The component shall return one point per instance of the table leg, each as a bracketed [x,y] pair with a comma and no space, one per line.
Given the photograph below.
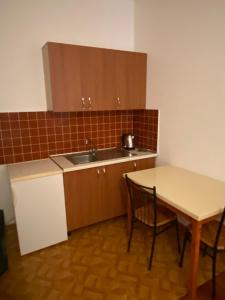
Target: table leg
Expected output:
[195,248]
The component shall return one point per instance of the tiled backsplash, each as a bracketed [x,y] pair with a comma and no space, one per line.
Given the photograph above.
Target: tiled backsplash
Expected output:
[34,135]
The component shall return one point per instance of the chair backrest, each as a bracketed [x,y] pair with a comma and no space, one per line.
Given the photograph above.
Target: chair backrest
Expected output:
[219,231]
[143,201]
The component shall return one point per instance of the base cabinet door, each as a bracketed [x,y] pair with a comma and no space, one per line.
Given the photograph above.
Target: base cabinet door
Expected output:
[114,205]
[82,197]
[97,194]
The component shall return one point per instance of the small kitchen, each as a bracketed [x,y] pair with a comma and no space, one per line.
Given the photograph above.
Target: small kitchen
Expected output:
[83,105]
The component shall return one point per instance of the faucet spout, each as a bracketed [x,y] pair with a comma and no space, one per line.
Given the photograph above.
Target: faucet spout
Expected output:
[92,148]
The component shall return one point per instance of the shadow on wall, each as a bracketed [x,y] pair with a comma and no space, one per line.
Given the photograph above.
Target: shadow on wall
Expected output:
[5,198]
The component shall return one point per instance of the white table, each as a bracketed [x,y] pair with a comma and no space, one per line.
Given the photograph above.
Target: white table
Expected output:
[197,197]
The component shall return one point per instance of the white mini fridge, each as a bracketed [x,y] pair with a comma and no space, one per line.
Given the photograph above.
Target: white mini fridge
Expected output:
[39,204]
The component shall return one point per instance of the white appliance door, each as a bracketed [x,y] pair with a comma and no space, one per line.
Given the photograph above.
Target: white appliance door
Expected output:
[40,212]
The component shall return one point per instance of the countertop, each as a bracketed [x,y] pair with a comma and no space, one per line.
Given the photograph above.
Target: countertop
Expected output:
[68,166]
[196,195]
[32,169]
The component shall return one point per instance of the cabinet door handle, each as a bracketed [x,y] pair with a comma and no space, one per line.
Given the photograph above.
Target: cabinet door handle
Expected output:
[98,172]
[118,102]
[104,170]
[90,103]
[83,103]
[135,165]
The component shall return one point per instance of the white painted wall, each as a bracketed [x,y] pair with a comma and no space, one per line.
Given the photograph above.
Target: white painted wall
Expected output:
[26,25]
[186,79]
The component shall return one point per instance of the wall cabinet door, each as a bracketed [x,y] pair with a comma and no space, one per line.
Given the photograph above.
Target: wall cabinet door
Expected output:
[80,78]
[124,80]
[136,80]
[72,76]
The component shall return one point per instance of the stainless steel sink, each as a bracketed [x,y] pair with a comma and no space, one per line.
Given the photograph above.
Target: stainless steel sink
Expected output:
[81,158]
[99,155]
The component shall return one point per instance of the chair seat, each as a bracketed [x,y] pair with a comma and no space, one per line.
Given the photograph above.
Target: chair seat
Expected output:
[208,235]
[164,215]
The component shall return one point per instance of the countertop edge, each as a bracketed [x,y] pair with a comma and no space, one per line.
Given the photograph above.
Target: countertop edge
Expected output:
[29,177]
[72,167]
[28,170]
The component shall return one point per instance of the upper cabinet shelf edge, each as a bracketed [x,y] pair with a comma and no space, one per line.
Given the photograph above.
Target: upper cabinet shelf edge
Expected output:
[81,78]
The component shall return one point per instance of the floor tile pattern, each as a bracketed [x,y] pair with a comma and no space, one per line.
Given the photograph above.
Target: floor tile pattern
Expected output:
[93,264]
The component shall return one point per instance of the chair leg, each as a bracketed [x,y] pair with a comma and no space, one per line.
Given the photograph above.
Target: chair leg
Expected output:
[152,249]
[183,248]
[214,275]
[178,237]
[204,251]
[130,234]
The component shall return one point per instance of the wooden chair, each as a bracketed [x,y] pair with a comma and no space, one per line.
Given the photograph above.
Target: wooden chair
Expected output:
[212,240]
[143,207]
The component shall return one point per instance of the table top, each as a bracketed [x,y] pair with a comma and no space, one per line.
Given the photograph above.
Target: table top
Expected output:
[196,195]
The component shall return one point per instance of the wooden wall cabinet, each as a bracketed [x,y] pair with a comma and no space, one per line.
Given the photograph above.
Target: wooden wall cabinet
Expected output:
[93,195]
[80,78]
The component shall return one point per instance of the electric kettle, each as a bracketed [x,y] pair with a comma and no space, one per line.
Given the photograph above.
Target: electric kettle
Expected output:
[128,141]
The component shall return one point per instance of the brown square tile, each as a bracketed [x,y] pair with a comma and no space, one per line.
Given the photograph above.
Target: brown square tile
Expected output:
[7,142]
[15,133]
[44,154]
[34,132]
[44,147]
[36,155]
[42,131]
[34,140]
[6,134]
[59,145]
[27,156]
[26,141]
[4,117]
[9,159]
[51,138]
[13,116]
[25,132]
[7,151]
[17,150]
[33,123]
[43,139]
[35,148]
[5,125]
[32,115]
[24,124]
[23,116]
[26,149]
[41,115]
[41,123]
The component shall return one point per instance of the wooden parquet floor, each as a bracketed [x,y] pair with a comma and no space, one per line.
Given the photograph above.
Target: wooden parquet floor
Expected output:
[94,265]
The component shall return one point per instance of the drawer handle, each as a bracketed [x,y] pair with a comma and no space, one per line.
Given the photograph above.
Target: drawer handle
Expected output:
[135,165]
[98,172]
[104,170]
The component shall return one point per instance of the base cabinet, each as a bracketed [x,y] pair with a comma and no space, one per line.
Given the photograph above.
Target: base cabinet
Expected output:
[95,194]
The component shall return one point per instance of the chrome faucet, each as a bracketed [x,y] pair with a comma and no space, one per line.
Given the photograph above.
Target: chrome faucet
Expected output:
[91,145]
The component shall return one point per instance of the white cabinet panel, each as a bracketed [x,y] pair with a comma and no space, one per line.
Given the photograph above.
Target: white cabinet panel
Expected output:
[40,212]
